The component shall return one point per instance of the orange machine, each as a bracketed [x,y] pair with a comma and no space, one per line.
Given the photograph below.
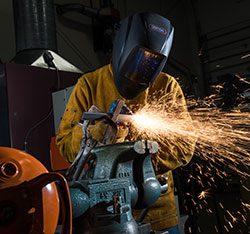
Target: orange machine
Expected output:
[58,163]
[29,198]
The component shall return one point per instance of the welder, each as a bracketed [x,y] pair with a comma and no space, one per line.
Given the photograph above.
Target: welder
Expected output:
[141,47]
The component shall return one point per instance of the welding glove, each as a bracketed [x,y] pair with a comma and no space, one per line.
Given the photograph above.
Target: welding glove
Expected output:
[97,131]
[121,134]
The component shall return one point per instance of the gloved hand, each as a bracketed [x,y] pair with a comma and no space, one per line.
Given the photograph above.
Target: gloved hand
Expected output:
[97,131]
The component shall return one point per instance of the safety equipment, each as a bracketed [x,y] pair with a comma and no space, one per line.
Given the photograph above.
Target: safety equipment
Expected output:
[29,201]
[141,47]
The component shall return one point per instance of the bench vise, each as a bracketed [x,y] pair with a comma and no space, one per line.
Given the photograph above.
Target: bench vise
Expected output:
[119,177]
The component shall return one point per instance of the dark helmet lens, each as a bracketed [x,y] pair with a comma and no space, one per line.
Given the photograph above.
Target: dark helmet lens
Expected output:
[142,65]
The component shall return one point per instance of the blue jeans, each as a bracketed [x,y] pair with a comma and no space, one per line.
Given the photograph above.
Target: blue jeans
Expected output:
[172,230]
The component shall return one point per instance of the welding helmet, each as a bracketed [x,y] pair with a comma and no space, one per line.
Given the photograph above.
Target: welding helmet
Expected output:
[29,201]
[141,47]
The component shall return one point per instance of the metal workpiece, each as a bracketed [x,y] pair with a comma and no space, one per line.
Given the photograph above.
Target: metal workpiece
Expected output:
[143,146]
[125,118]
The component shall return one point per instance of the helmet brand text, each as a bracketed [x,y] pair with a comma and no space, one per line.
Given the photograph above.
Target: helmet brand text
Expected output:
[157,28]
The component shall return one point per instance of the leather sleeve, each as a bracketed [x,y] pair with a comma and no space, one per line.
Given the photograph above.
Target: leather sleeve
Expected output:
[69,134]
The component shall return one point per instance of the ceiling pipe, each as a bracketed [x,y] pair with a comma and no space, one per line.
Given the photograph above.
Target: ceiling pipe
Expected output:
[35,29]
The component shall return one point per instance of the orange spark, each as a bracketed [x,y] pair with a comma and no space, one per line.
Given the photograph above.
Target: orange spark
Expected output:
[245,56]
[204,194]
[221,205]
[246,205]
[223,137]
[226,228]
[232,217]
